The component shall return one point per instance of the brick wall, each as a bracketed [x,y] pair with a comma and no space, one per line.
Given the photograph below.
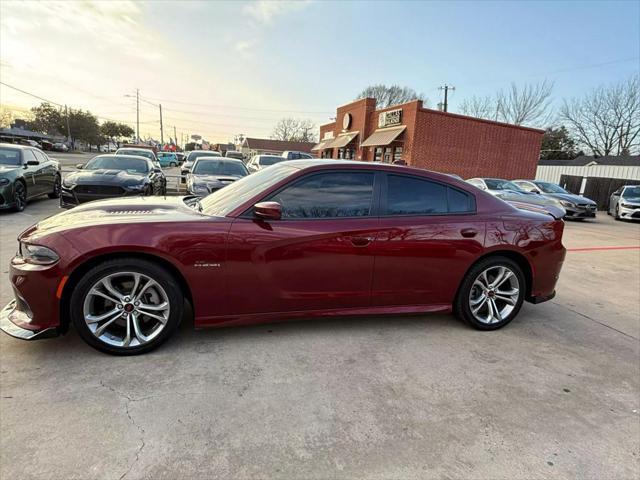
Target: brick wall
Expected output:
[472,147]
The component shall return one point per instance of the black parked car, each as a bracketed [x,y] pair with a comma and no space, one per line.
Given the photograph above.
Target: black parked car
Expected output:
[209,174]
[25,173]
[107,176]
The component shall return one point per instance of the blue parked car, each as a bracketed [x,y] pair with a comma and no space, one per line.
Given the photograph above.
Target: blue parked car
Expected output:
[168,159]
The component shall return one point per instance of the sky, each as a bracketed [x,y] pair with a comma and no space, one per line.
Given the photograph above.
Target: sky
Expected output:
[227,68]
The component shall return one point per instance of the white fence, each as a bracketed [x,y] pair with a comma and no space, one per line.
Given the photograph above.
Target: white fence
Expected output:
[552,173]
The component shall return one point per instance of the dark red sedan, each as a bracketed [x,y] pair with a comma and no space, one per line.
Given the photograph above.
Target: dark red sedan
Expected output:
[299,239]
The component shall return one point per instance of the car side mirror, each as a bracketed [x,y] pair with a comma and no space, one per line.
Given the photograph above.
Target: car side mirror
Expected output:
[79,166]
[535,191]
[33,162]
[268,210]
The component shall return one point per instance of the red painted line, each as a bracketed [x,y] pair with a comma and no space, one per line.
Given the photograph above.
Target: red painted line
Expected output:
[591,249]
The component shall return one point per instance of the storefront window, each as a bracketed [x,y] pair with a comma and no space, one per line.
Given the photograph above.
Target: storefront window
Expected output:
[397,154]
[378,154]
[388,154]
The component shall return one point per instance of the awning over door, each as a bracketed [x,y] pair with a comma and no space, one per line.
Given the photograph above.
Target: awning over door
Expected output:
[383,136]
[322,144]
[343,140]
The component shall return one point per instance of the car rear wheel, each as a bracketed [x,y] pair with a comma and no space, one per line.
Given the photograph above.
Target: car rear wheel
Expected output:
[173,164]
[491,294]
[19,196]
[126,306]
[57,186]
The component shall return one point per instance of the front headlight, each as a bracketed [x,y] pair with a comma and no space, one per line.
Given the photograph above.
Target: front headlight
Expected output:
[200,188]
[4,181]
[67,184]
[626,205]
[567,204]
[136,188]
[37,254]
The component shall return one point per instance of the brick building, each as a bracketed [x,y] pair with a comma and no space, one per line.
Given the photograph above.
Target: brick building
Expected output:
[430,139]
[267,146]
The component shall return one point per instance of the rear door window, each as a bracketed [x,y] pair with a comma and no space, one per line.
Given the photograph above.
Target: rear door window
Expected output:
[415,196]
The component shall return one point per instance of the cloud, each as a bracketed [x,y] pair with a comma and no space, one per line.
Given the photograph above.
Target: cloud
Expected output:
[245,47]
[264,11]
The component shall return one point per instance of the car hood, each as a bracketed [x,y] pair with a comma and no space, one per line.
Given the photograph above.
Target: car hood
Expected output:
[111,177]
[570,197]
[128,210]
[630,201]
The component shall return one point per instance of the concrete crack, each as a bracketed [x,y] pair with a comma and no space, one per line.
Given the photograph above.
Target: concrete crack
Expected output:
[594,320]
[133,422]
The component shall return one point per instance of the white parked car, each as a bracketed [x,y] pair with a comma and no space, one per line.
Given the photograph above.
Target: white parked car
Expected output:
[624,203]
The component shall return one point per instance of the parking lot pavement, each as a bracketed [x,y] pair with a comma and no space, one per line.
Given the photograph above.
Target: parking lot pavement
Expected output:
[555,394]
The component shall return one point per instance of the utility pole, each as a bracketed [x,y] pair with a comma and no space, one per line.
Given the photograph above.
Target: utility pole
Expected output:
[446,89]
[161,128]
[66,113]
[175,135]
[137,115]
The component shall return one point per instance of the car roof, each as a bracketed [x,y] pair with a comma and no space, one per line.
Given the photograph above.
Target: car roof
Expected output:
[112,155]
[15,145]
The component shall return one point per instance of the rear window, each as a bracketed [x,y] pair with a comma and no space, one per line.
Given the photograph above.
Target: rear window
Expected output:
[265,161]
[219,167]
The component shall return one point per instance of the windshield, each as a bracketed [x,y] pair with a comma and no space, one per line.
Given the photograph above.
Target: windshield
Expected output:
[227,199]
[495,184]
[129,164]
[141,153]
[193,154]
[165,154]
[268,160]
[631,192]
[219,167]
[547,187]
[9,156]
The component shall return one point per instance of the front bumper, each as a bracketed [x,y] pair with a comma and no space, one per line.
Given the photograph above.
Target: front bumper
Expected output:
[10,314]
[6,197]
[586,211]
[627,213]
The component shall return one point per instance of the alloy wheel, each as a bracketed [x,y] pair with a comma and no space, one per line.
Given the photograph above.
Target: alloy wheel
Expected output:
[126,309]
[494,294]
[20,196]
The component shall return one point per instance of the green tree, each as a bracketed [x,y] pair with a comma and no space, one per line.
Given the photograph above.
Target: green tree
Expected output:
[558,143]
[47,119]
[116,131]
[84,126]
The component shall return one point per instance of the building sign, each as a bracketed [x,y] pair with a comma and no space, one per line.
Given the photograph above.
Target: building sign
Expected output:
[327,135]
[389,118]
[346,121]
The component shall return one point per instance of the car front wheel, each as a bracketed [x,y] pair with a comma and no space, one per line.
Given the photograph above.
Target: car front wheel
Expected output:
[57,186]
[491,294]
[126,306]
[19,196]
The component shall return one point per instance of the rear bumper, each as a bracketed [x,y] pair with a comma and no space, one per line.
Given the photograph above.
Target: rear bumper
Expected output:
[541,298]
[10,313]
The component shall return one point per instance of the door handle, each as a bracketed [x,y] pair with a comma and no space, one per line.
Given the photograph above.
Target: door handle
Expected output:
[468,232]
[361,241]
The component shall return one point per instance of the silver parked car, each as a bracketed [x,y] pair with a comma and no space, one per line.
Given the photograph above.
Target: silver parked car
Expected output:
[509,191]
[577,206]
[258,162]
[210,174]
[624,203]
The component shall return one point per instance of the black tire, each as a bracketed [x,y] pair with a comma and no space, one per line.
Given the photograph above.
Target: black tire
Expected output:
[150,269]
[57,186]
[617,212]
[173,164]
[462,308]
[19,196]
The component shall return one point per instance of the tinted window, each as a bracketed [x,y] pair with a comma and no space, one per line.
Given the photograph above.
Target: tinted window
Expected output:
[129,164]
[28,156]
[328,195]
[219,167]
[9,156]
[460,201]
[631,192]
[266,160]
[497,184]
[40,156]
[411,196]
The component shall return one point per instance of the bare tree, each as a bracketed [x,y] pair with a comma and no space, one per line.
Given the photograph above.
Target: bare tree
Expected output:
[526,105]
[530,104]
[294,130]
[606,120]
[389,95]
[480,107]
